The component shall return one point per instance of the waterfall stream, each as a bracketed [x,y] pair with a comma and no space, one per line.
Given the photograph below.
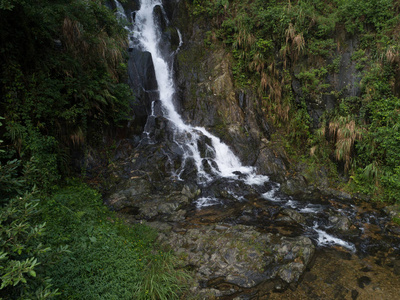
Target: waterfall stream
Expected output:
[217,161]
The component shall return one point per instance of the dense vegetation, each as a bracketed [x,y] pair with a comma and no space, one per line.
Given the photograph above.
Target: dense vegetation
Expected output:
[62,70]
[276,43]
[62,66]
[68,245]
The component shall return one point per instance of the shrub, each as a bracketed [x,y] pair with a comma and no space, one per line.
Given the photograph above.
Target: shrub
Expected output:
[23,256]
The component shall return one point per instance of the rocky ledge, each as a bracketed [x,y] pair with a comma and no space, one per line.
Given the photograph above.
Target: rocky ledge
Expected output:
[229,259]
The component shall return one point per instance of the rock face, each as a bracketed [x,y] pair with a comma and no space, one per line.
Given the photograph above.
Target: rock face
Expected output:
[208,97]
[142,80]
[341,83]
[296,253]
[238,257]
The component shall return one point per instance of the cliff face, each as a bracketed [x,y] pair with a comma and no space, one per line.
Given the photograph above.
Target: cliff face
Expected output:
[208,94]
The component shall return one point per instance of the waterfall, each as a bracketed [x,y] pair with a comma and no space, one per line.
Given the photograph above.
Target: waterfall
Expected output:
[219,159]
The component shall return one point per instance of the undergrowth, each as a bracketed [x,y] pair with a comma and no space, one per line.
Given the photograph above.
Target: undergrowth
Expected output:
[68,245]
[107,259]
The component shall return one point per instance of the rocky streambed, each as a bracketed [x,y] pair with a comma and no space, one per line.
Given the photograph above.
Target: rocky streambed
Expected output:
[255,242]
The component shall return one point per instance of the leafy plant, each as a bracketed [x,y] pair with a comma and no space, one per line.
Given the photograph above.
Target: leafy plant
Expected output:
[23,256]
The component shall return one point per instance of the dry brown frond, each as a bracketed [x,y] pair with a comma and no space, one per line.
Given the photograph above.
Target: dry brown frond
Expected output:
[77,137]
[290,33]
[245,39]
[392,55]
[264,80]
[257,63]
[72,33]
[295,47]
[344,132]
[299,42]
[312,150]
[100,49]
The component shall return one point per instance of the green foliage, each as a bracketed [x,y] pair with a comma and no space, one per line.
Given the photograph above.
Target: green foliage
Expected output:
[380,148]
[359,15]
[62,73]
[321,47]
[23,256]
[107,259]
[314,81]
[299,126]
[10,183]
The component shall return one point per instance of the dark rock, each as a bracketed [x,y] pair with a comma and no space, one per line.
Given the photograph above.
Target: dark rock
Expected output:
[294,215]
[204,144]
[236,256]
[58,44]
[363,281]
[159,18]
[142,80]
[354,294]
[396,267]
[141,70]
[298,252]
[296,187]
[340,222]
[271,163]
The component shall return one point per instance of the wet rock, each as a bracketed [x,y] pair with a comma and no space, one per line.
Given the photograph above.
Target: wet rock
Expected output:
[204,145]
[294,215]
[272,163]
[392,210]
[338,194]
[291,272]
[298,186]
[340,222]
[239,255]
[190,191]
[159,18]
[148,202]
[297,253]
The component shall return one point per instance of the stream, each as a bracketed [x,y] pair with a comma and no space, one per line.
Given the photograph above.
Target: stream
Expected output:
[233,227]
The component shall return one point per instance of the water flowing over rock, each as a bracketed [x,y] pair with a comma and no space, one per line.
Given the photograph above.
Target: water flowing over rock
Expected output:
[239,233]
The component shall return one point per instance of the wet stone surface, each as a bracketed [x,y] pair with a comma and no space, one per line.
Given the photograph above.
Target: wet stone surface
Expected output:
[261,249]
[253,241]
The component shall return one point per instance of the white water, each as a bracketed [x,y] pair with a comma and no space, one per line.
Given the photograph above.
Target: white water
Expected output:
[121,16]
[326,239]
[222,162]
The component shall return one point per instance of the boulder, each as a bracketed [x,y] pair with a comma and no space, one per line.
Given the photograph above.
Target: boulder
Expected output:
[238,256]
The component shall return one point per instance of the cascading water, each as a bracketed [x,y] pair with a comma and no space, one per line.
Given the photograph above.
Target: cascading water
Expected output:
[219,158]
[217,161]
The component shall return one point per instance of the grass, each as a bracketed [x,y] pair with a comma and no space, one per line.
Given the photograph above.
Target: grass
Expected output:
[107,259]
